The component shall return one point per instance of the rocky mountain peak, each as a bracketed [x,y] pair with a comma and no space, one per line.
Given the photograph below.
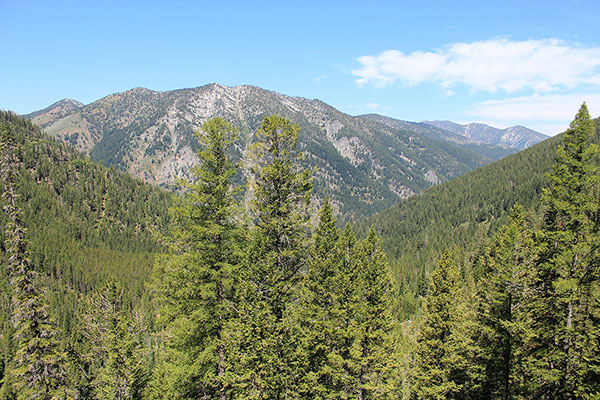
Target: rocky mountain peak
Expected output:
[362,165]
[55,111]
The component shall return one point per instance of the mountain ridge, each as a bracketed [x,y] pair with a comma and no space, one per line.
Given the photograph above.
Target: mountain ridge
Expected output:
[518,136]
[362,165]
[465,212]
[494,152]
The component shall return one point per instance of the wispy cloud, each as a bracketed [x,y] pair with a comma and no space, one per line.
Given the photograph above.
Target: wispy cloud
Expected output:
[542,66]
[548,113]
[372,106]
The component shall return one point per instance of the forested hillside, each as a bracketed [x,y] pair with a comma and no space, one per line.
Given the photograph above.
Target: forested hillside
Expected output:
[464,213]
[85,221]
[80,320]
[87,225]
[484,299]
[521,322]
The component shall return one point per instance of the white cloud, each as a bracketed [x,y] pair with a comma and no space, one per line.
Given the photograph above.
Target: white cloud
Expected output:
[372,106]
[543,65]
[549,114]
[388,66]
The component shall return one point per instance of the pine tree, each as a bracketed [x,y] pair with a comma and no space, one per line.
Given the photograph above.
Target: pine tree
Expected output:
[373,342]
[194,282]
[564,312]
[342,363]
[346,315]
[268,365]
[112,333]
[445,351]
[37,369]
[502,292]
[318,312]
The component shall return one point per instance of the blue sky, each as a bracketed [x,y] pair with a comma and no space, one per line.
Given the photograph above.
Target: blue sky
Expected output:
[504,63]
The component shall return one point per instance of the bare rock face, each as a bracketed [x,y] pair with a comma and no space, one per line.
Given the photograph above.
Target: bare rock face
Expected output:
[362,165]
[432,177]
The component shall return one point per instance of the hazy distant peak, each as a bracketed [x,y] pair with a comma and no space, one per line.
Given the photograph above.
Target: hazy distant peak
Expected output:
[518,137]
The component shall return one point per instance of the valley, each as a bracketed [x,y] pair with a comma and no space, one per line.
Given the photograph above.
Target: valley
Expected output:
[112,257]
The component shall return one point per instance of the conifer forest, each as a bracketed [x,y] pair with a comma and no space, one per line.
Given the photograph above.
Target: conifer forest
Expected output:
[245,282]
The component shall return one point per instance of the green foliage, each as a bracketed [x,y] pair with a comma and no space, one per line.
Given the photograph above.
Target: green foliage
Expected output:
[371,350]
[536,309]
[319,311]
[283,314]
[503,291]
[194,283]
[445,349]
[113,348]
[463,213]
[345,315]
[271,271]
[86,224]
[564,311]
[37,368]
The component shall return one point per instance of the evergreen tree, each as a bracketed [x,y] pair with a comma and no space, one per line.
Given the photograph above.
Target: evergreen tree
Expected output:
[502,292]
[318,312]
[194,282]
[38,366]
[268,367]
[445,351]
[372,345]
[347,317]
[112,333]
[343,361]
[564,312]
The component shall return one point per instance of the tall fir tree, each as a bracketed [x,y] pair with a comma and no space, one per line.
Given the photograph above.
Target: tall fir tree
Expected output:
[38,366]
[564,312]
[268,364]
[346,315]
[318,312]
[502,292]
[344,361]
[445,353]
[194,282]
[373,343]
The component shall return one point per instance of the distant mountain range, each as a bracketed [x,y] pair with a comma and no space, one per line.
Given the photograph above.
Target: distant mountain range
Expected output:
[363,163]
[517,137]
[489,150]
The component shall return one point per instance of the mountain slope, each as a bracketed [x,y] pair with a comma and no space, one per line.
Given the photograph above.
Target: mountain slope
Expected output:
[55,111]
[86,223]
[518,137]
[463,212]
[362,165]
